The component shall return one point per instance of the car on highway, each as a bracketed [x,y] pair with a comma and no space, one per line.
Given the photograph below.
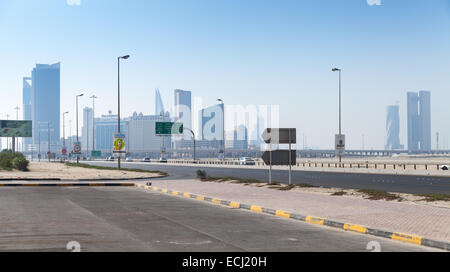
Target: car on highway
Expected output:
[146,159]
[246,161]
[162,160]
[109,158]
[129,159]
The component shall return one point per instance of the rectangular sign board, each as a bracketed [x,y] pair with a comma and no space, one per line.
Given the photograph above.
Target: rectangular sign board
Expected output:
[76,148]
[119,145]
[96,153]
[340,145]
[280,157]
[11,128]
[168,128]
[280,136]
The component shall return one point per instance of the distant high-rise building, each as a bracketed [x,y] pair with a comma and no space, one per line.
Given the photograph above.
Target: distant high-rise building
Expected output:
[26,101]
[212,123]
[159,106]
[183,107]
[393,128]
[419,121]
[142,133]
[86,130]
[45,104]
[182,113]
[240,141]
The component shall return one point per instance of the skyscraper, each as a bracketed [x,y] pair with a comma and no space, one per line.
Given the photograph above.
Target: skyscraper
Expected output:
[212,123]
[182,112]
[159,106]
[393,128]
[86,130]
[183,107]
[45,103]
[26,101]
[419,121]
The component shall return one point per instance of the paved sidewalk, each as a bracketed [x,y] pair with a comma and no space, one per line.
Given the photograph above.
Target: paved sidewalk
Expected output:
[410,218]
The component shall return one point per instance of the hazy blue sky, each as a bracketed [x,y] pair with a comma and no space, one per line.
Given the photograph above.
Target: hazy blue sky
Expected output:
[243,51]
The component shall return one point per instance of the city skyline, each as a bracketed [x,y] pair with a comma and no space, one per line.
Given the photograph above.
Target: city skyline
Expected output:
[286,60]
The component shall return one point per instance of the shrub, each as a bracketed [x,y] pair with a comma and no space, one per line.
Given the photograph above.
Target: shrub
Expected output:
[20,163]
[201,174]
[10,160]
[6,163]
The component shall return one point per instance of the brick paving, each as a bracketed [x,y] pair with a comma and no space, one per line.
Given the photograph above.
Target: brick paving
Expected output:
[409,218]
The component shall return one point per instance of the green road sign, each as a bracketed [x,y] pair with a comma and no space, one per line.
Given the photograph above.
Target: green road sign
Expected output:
[9,128]
[96,153]
[169,128]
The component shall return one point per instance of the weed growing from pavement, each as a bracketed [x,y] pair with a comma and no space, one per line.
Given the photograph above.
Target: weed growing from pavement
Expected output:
[113,168]
[339,193]
[379,195]
[434,197]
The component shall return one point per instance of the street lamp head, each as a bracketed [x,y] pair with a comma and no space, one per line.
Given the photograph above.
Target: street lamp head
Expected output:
[125,57]
[335,69]
[80,95]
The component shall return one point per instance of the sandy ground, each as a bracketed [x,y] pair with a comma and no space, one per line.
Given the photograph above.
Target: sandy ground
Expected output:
[61,171]
[350,193]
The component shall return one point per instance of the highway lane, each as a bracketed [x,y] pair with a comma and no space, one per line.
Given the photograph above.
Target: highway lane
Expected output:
[131,219]
[384,182]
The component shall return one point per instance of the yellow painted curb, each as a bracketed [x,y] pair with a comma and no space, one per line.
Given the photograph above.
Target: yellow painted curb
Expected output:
[315,220]
[417,240]
[216,201]
[283,214]
[256,209]
[200,198]
[235,205]
[355,228]
[187,195]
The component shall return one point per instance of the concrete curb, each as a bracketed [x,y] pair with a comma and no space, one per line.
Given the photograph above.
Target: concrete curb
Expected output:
[67,184]
[412,239]
[71,180]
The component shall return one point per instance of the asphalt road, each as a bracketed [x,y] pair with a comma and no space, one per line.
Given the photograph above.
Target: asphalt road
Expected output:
[130,219]
[390,183]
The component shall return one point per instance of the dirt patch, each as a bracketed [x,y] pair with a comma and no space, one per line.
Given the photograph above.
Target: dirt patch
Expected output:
[45,170]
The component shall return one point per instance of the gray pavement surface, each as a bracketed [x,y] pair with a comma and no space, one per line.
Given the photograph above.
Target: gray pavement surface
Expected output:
[130,219]
[385,182]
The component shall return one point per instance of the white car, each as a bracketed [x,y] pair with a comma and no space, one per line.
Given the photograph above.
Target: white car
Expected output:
[246,161]
[129,159]
[146,159]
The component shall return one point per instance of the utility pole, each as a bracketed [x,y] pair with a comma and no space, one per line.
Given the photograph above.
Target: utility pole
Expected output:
[118,98]
[78,157]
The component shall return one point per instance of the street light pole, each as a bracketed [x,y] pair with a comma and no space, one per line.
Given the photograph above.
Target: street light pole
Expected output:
[340,105]
[78,157]
[118,99]
[193,137]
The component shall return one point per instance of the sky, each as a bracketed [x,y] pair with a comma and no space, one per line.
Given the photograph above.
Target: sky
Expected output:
[242,51]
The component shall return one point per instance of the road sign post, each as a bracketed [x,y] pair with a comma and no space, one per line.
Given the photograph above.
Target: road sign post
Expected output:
[280,157]
[339,146]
